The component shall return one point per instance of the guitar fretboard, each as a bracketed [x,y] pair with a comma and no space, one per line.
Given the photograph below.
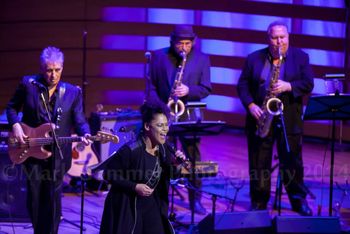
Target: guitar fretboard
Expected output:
[49,140]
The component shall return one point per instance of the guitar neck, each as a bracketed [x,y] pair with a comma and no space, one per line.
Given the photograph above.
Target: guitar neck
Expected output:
[50,140]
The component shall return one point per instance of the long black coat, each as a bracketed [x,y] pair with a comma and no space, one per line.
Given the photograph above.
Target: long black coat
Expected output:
[123,171]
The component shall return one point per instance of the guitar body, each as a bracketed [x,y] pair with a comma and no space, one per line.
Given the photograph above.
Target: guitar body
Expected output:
[82,158]
[20,152]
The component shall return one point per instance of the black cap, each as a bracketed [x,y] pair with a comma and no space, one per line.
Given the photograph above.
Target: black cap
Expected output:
[182,32]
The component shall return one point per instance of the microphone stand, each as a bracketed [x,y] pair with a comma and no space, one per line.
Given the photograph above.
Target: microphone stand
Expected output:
[172,215]
[54,146]
[148,56]
[237,187]
[193,175]
[279,179]
[213,212]
[190,187]
[214,197]
[173,184]
[84,177]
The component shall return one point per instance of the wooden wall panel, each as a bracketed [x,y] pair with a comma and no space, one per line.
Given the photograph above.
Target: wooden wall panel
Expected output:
[36,35]
[40,10]
[28,26]
[248,7]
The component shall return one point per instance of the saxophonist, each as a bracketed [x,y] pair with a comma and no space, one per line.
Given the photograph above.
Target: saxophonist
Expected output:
[195,83]
[294,80]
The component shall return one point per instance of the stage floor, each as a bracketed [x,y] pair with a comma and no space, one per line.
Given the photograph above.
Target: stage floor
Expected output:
[230,152]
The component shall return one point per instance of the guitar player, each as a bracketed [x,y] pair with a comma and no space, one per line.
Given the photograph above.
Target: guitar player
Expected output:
[43,97]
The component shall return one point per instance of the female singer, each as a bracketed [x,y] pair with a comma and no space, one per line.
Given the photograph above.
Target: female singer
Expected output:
[139,175]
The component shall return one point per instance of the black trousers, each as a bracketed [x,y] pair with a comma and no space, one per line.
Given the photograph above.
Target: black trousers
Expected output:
[260,152]
[42,201]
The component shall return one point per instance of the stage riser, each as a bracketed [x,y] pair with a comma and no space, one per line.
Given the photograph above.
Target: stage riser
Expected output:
[252,222]
[237,222]
[306,225]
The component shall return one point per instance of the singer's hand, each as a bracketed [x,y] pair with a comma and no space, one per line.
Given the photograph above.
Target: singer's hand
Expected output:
[18,132]
[179,154]
[143,190]
[181,90]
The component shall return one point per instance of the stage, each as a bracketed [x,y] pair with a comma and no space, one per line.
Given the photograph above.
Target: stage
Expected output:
[229,150]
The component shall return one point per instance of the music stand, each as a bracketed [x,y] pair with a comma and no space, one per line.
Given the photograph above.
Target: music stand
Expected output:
[329,107]
[194,129]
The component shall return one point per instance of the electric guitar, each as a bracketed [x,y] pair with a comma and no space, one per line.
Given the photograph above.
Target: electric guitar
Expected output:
[40,137]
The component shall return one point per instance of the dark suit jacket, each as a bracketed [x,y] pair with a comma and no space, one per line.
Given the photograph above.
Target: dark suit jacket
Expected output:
[27,97]
[163,70]
[251,87]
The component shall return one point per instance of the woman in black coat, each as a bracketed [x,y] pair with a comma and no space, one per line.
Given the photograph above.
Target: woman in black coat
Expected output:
[139,174]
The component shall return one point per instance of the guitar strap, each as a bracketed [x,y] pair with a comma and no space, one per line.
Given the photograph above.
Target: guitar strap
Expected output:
[58,108]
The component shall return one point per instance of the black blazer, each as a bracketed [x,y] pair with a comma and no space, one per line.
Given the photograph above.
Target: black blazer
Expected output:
[26,99]
[251,87]
[163,69]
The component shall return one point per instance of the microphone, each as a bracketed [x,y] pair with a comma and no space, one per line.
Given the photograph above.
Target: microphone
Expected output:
[148,56]
[36,83]
[184,162]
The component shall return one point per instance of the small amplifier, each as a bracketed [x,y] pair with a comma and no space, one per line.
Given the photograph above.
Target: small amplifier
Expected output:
[202,169]
[126,124]
[12,183]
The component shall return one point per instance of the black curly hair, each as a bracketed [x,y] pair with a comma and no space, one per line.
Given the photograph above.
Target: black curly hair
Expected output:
[150,108]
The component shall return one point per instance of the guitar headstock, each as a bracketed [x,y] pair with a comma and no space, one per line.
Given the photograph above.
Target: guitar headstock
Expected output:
[105,137]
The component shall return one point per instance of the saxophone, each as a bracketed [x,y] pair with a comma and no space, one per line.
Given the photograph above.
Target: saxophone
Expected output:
[176,106]
[272,106]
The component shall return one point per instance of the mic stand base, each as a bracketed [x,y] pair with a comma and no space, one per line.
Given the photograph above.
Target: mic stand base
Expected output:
[83,177]
[172,215]
[63,219]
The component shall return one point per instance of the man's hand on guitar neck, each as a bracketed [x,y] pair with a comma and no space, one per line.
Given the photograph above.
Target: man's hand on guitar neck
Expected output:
[86,139]
[18,132]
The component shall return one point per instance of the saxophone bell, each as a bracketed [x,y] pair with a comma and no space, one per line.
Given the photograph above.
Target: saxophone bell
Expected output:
[274,106]
[177,108]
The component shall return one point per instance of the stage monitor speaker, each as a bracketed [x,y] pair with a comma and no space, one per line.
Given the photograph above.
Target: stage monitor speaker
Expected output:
[306,225]
[249,222]
[13,191]
[124,123]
